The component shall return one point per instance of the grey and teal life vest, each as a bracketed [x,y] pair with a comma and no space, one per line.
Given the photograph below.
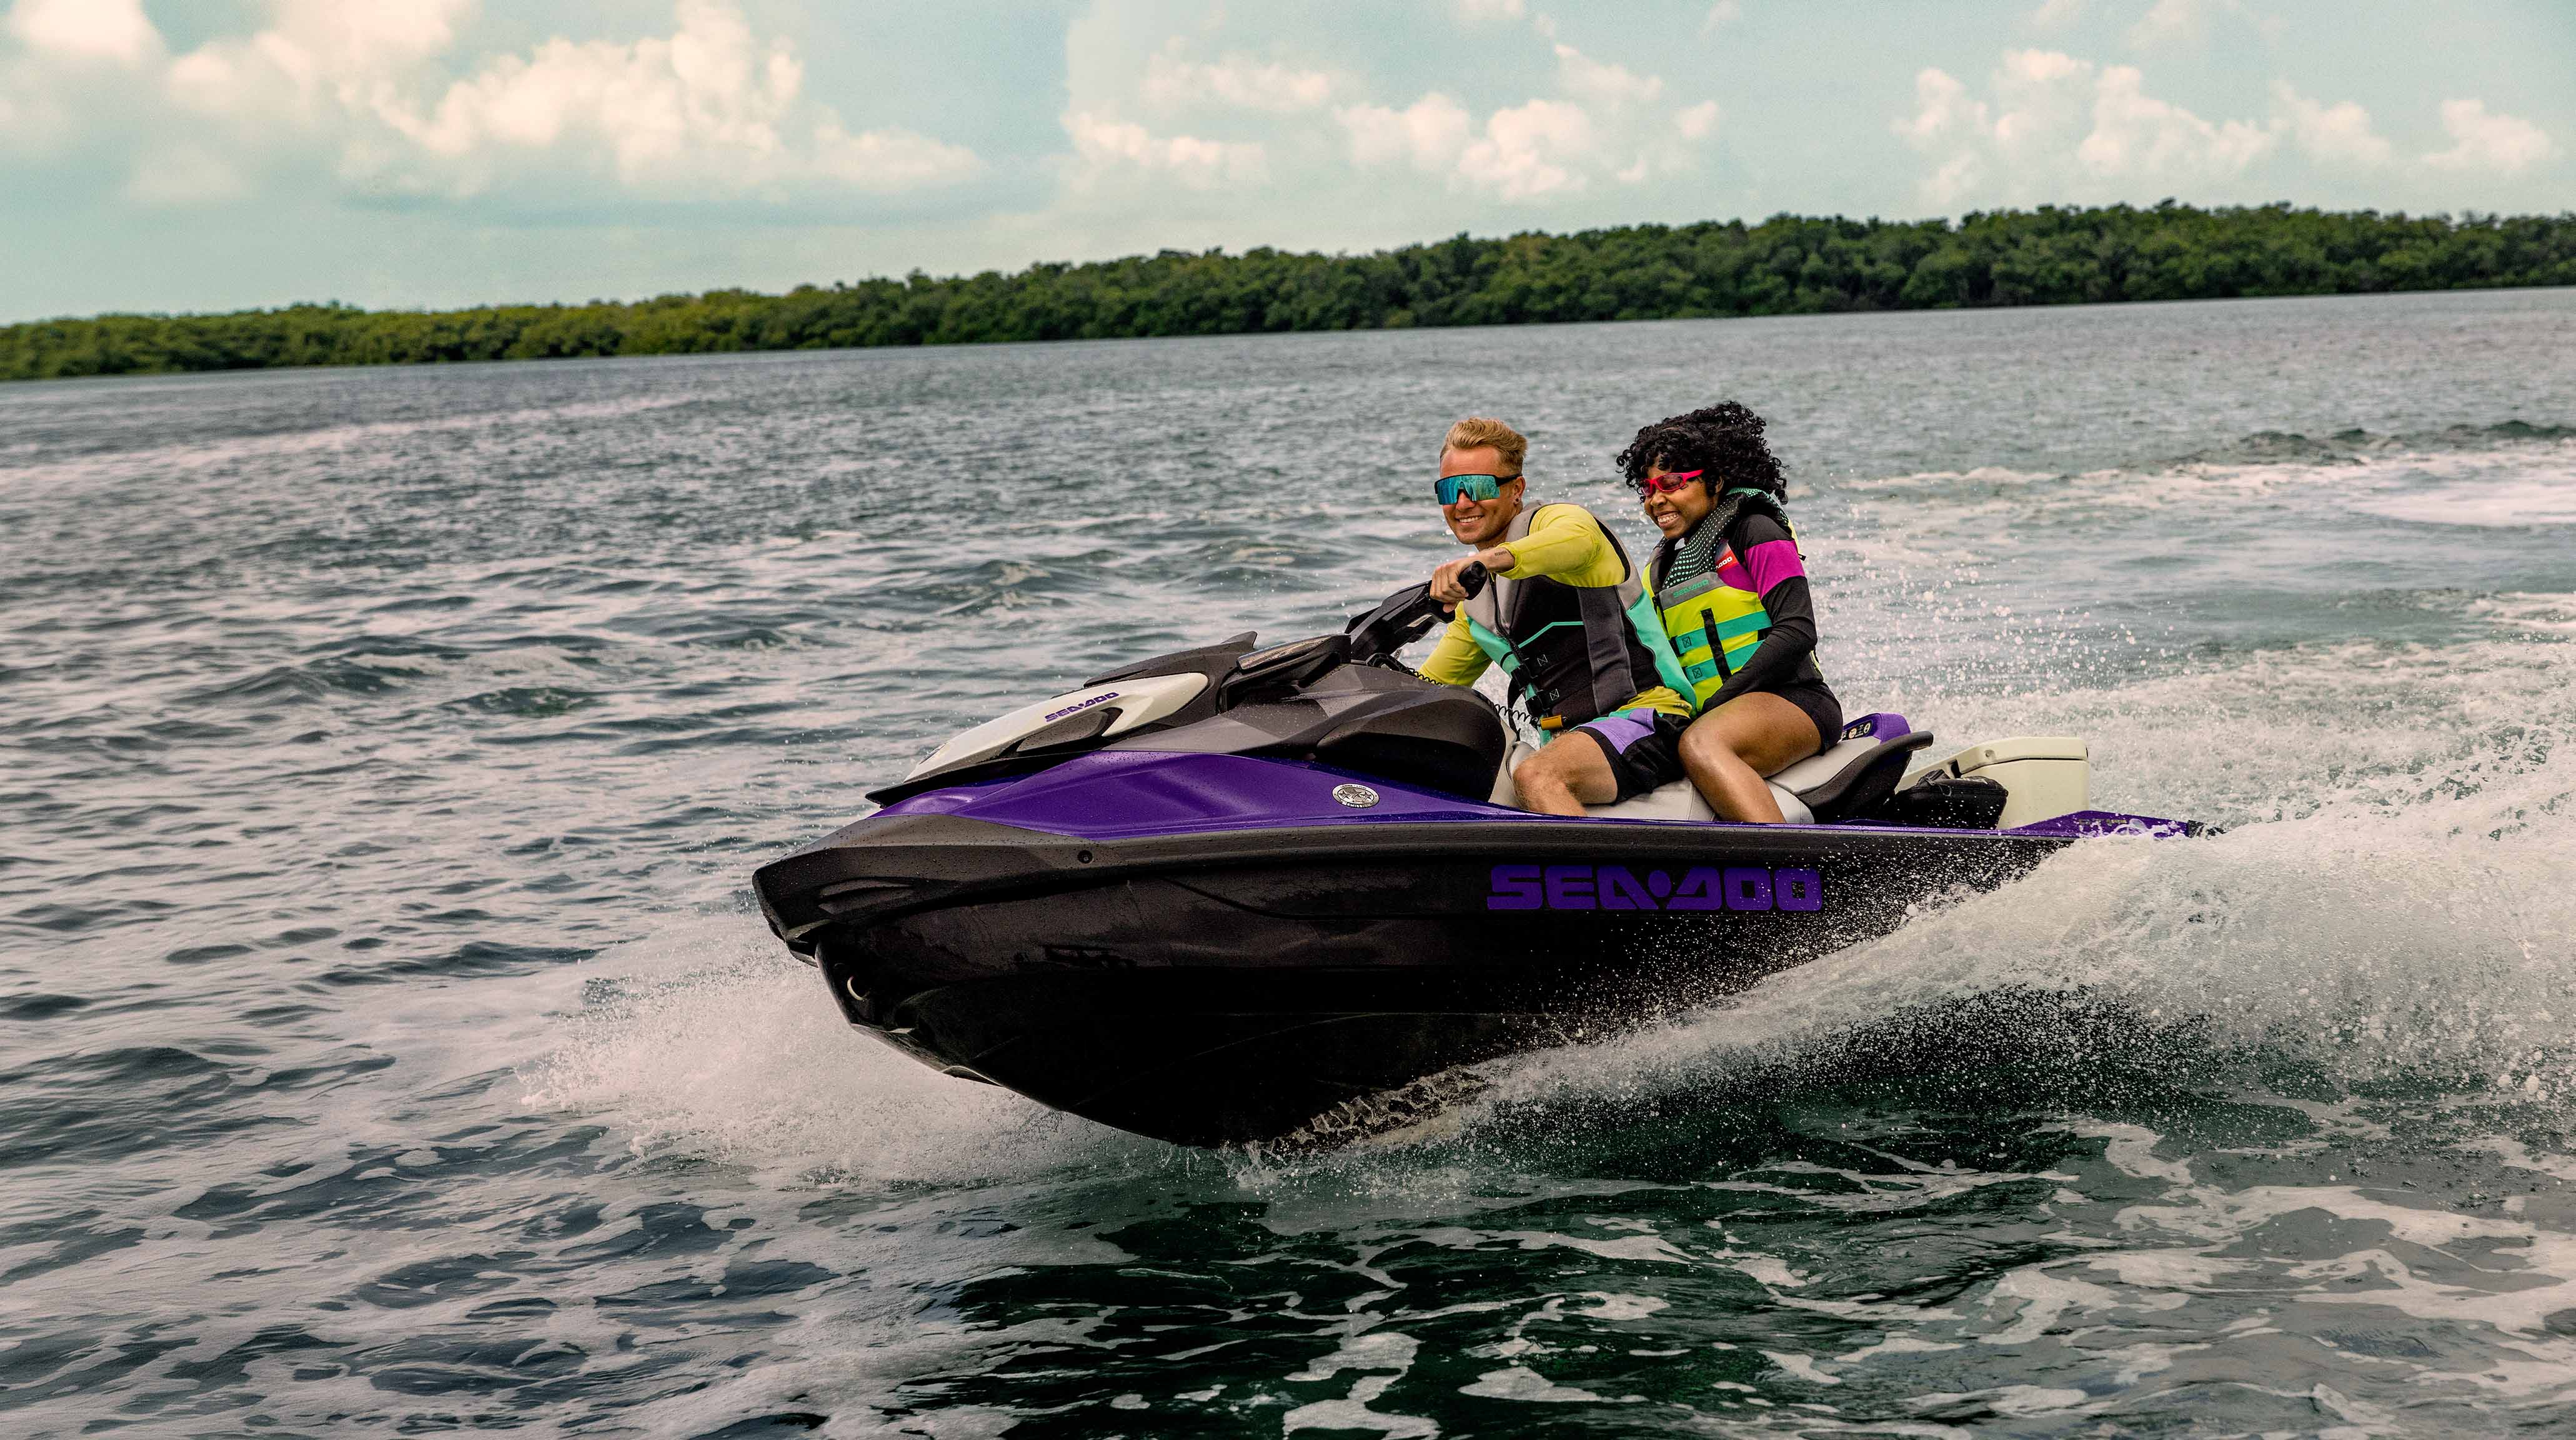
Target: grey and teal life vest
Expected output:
[1573,652]
[1714,620]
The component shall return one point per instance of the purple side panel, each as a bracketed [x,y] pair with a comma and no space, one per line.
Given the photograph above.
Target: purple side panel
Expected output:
[1125,794]
[1879,726]
[1110,795]
[2085,824]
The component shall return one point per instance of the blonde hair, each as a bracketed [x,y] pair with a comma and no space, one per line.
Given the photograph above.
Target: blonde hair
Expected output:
[1476,431]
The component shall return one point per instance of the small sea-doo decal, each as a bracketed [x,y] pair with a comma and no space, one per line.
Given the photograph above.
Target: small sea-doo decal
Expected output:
[1100,699]
[1358,797]
[1616,887]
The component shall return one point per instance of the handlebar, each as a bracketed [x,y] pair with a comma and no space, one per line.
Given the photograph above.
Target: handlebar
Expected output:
[1406,616]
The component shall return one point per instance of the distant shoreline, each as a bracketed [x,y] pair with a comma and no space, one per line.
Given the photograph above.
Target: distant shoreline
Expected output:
[1787,265]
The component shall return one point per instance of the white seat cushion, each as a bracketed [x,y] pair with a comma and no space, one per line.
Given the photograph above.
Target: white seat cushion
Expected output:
[1816,769]
[1679,800]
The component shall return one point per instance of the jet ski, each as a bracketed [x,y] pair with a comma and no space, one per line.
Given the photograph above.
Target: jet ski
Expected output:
[1216,894]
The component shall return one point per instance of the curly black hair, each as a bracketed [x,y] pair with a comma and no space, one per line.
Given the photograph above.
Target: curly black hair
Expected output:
[1724,439]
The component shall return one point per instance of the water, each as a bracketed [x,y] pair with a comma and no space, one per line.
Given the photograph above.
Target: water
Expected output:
[390,1045]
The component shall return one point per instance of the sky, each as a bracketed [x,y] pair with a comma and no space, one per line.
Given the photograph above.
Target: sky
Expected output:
[163,155]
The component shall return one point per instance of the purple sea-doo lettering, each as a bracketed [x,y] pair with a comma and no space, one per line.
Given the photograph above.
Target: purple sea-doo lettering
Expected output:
[1622,887]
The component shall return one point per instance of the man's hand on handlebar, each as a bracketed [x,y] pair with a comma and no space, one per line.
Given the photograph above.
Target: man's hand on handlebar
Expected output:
[1445,586]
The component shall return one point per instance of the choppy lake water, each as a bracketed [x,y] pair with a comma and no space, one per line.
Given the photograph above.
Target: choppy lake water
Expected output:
[388,1043]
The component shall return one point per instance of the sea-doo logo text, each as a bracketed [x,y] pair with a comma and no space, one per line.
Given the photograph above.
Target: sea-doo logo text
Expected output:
[1079,705]
[1616,887]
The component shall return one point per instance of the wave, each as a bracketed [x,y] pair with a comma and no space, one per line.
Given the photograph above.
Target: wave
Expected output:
[2389,913]
[704,1042]
[2512,473]
[2359,444]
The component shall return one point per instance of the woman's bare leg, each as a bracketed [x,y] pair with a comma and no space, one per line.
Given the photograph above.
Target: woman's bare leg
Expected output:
[1730,749]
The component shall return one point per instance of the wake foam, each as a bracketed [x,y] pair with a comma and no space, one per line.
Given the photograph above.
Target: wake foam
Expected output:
[707,1043]
[2495,476]
[2391,910]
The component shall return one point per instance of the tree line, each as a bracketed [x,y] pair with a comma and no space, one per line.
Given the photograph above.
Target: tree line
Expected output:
[1787,265]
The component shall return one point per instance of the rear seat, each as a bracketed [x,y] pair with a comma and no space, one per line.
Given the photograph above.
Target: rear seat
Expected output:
[1859,770]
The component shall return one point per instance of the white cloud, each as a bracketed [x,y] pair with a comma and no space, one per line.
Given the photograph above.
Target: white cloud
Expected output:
[1105,146]
[2055,14]
[703,105]
[2059,128]
[1943,113]
[187,172]
[1720,15]
[369,96]
[1606,123]
[1530,150]
[116,31]
[316,67]
[1429,133]
[2181,23]
[1491,9]
[69,74]
[2137,135]
[2171,22]
[2054,128]
[1234,81]
[350,40]
[889,160]
[2331,135]
[1603,83]
[2500,144]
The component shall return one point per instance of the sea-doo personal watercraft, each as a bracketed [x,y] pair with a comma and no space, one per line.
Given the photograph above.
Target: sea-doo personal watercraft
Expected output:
[1220,892]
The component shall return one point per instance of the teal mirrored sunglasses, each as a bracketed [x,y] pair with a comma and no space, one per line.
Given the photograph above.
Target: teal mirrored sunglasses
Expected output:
[1448,488]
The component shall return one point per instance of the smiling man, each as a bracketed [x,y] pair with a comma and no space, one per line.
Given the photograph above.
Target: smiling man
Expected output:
[1567,617]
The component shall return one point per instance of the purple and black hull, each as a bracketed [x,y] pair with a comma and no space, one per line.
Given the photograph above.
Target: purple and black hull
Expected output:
[1213,949]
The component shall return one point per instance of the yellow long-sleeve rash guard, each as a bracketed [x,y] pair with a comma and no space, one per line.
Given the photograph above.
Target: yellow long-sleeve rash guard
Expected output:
[1564,543]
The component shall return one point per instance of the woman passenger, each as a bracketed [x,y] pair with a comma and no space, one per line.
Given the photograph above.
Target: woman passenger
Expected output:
[1734,600]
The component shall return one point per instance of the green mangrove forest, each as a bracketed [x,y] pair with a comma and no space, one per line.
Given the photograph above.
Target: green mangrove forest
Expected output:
[1787,265]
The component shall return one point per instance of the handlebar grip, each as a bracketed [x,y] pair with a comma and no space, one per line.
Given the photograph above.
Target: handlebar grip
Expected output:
[1473,578]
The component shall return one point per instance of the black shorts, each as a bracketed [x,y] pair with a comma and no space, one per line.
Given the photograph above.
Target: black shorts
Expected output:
[1644,748]
[1812,697]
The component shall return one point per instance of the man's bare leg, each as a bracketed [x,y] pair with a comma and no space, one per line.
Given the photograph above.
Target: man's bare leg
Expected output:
[1565,776]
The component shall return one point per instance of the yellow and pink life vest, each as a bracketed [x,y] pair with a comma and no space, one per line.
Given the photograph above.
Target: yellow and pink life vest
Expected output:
[1715,620]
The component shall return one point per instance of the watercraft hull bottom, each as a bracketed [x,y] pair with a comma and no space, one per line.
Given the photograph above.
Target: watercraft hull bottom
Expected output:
[1221,1003]
[1193,1063]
